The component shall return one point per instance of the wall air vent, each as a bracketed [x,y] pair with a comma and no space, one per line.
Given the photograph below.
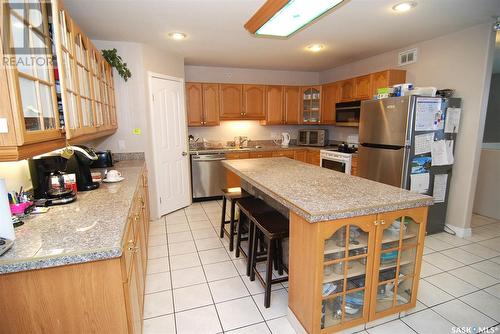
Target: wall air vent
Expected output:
[407,57]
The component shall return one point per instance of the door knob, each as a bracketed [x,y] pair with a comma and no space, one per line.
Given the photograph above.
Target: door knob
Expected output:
[184,154]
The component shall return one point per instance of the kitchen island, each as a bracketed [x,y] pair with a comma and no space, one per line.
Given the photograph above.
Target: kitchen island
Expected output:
[355,245]
[80,267]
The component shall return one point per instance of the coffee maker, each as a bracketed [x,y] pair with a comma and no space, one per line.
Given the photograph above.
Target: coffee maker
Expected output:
[43,169]
[80,164]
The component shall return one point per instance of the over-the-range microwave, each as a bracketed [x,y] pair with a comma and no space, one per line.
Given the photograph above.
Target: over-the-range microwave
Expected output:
[313,137]
[347,113]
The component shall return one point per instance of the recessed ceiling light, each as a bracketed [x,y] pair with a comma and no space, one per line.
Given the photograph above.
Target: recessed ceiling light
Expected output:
[178,36]
[283,18]
[315,47]
[404,6]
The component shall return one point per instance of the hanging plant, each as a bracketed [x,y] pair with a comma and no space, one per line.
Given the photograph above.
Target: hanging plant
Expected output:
[117,62]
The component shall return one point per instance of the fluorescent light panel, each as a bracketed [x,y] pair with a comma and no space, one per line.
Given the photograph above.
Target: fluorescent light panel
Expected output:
[295,15]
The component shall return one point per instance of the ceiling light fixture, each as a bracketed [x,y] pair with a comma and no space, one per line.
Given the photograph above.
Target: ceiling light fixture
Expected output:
[178,36]
[282,18]
[404,6]
[315,47]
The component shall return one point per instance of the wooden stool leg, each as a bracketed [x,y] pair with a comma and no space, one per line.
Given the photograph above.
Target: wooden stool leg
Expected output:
[231,226]
[253,262]
[269,273]
[239,229]
[251,228]
[279,256]
[223,218]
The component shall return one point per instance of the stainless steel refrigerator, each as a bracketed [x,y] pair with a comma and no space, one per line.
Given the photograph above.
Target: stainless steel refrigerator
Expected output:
[395,146]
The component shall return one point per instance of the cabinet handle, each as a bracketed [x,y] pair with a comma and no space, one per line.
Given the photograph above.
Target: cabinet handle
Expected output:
[382,222]
[375,223]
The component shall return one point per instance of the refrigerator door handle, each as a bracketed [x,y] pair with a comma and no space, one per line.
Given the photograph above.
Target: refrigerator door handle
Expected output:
[383,146]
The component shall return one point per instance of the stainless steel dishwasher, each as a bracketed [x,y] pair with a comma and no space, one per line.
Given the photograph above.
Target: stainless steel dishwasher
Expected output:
[207,174]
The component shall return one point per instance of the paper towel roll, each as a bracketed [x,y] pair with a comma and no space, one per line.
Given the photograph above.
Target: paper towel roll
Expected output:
[6,226]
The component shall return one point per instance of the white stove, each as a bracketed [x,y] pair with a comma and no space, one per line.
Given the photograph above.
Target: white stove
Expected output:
[338,161]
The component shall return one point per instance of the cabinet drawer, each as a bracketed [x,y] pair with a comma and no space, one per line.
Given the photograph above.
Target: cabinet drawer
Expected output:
[288,154]
[261,154]
[128,254]
[242,155]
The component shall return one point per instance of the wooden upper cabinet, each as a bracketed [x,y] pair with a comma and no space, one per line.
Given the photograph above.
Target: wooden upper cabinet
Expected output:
[210,104]
[292,104]
[330,98]
[363,87]
[274,105]
[346,90]
[230,101]
[387,78]
[202,102]
[254,101]
[194,103]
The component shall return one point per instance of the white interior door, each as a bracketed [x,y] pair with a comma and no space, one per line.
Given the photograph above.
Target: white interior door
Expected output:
[170,146]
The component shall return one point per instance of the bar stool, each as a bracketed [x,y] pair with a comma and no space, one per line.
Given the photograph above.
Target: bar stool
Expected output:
[233,195]
[274,228]
[248,206]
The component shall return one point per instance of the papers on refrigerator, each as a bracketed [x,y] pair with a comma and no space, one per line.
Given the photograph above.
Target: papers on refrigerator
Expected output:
[442,153]
[452,121]
[423,143]
[428,114]
[440,183]
[419,183]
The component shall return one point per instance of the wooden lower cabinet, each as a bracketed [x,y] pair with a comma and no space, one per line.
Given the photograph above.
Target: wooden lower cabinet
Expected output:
[93,297]
[356,270]
[313,157]
[284,153]
[300,155]
[253,155]
[233,180]
[354,165]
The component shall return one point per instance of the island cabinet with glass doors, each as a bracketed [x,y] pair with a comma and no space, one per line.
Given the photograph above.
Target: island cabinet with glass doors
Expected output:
[360,269]
[55,84]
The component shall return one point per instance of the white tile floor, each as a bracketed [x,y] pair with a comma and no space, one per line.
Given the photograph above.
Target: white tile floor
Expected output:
[195,285]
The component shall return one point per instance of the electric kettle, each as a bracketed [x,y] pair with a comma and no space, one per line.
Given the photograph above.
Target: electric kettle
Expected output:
[285,139]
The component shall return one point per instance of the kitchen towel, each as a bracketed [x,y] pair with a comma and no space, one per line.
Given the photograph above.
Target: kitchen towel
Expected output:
[6,226]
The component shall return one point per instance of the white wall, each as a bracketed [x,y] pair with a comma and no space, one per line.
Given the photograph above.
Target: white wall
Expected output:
[132,101]
[488,184]
[16,175]
[251,76]
[462,61]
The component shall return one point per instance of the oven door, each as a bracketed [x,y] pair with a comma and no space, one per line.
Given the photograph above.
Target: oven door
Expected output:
[339,166]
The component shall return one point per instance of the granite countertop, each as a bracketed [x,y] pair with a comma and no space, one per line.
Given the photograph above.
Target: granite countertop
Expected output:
[89,229]
[319,194]
[261,148]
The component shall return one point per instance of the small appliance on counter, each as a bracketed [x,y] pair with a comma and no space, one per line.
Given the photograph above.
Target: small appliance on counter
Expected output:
[285,139]
[80,164]
[104,159]
[313,137]
[347,113]
[45,170]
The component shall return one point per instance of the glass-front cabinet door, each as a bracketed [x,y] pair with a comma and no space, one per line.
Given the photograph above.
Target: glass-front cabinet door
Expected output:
[28,49]
[399,243]
[346,274]
[311,97]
